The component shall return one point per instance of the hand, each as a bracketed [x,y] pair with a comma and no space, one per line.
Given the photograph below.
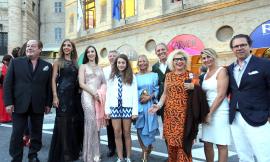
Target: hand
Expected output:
[145,98]
[107,116]
[47,109]
[55,102]
[188,86]
[134,117]
[96,96]
[208,118]
[154,109]
[10,109]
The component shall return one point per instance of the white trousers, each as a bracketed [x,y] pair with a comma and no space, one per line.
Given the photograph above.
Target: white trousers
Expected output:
[250,140]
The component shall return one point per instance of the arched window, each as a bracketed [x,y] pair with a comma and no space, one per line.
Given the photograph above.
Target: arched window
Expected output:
[90,14]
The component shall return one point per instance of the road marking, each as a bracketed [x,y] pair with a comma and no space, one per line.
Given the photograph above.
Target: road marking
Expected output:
[197,153]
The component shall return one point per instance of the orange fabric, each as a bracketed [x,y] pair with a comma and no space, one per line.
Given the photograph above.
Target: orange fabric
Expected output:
[177,154]
[175,114]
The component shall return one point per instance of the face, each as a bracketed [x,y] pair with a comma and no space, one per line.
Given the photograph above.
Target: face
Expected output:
[143,63]
[207,60]
[161,52]
[240,48]
[121,64]
[111,57]
[67,47]
[32,49]
[179,62]
[91,54]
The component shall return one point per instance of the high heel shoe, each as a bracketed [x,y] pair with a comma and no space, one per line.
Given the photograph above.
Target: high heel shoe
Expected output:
[145,156]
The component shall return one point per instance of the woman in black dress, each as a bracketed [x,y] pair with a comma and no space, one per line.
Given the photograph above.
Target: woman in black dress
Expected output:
[66,141]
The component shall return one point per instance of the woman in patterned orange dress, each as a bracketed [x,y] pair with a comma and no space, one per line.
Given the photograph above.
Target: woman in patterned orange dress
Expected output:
[175,99]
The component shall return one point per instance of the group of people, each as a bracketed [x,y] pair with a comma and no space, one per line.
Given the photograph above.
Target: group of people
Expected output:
[88,98]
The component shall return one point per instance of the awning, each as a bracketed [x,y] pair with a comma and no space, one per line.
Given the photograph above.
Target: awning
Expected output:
[261,36]
[187,42]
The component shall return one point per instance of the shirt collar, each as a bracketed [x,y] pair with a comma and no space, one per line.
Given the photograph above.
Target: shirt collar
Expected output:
[246,61]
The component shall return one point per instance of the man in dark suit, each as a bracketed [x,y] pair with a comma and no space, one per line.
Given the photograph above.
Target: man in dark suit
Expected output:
[249,104]
[27,92]
[161,68]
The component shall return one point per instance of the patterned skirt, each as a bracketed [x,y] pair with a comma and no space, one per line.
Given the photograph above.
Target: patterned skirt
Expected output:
[121,112]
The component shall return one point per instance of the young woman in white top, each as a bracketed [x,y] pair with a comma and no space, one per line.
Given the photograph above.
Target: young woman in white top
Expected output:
[122,103]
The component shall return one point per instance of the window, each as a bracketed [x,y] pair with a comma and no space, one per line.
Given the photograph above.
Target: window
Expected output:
[58,34]
[71,23]
[33,6]
[57,7]
[3,43]
[127,8]
[90,14]
[175,1]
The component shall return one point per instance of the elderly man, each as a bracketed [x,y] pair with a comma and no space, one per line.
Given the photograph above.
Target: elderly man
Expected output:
[249,87]
[27,93]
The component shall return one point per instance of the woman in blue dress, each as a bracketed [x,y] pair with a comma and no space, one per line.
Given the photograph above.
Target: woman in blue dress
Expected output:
[147,123]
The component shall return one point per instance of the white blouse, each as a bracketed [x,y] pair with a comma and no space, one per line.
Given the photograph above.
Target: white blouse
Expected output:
[129,95]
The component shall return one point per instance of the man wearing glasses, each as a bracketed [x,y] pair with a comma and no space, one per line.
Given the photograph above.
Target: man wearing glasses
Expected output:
[249,87]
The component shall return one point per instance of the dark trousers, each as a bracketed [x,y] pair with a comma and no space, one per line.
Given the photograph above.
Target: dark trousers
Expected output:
[16,141]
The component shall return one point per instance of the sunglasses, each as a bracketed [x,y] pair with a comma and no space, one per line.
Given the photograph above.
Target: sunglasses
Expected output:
[179,59]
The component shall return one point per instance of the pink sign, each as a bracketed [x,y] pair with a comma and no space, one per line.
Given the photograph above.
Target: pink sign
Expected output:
[187,42]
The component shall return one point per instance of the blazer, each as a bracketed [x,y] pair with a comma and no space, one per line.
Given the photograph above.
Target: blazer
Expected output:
[197,110]
[252,94]
[22,89]
[129,95]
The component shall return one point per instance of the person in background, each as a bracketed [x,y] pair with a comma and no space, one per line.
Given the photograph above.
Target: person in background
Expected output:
[147,123]
[27,93]
[249,114]
[122,103]
[65,143]
[4,116]
[93,83]
[216,130]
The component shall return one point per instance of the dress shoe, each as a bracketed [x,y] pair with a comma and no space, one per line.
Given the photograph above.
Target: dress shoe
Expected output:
[110,153]
[34,159]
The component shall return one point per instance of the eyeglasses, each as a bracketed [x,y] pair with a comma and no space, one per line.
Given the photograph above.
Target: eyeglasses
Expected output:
[240,46]
[179,59]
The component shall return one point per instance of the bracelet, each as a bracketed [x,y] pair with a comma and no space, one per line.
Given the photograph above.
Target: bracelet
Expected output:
[160,104]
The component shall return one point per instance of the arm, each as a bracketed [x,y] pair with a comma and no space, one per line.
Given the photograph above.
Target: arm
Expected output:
[82,82]
[161,102]
[134,98]
[49,92]
[54,88]
[222,86]
[8,85]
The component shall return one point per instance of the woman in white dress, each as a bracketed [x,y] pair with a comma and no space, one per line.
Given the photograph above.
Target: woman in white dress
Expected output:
[216,130]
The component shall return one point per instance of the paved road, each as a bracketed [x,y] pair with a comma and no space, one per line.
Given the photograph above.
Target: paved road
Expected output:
[159,153]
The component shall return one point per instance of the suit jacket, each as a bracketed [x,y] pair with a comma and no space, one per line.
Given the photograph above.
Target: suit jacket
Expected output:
[252,93]
[161,80]
[22,89]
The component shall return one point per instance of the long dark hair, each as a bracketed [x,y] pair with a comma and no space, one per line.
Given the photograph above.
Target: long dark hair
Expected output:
[85,58]
[73,54]
[127,76]
[22,51]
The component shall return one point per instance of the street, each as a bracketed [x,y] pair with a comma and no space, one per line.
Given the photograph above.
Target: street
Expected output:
[159,153]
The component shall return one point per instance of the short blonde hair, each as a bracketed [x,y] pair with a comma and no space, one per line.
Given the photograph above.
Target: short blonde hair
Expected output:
[171,56]
[209,52]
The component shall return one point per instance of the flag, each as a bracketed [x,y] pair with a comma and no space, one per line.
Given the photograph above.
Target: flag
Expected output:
[79,15]
[117,9]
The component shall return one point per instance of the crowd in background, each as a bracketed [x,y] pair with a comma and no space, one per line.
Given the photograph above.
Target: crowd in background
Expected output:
[231,103]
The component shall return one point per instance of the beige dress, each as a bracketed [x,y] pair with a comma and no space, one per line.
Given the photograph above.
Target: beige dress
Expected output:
[94,78]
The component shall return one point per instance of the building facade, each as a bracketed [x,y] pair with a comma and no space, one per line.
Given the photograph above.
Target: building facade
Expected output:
[21,20]
[142,24]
